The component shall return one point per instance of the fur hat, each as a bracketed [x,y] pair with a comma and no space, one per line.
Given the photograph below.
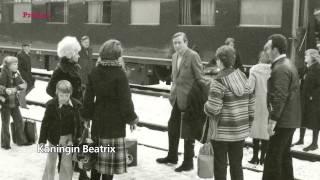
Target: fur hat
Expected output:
[68,47]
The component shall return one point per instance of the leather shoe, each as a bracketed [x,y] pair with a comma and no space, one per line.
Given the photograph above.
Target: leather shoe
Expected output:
[184,167]
[166,160]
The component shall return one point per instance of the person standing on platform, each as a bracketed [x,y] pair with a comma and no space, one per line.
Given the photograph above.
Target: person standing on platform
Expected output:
[258,80]
[24,67]
[285,111]
[85,60]
[232,43]
[186,69]
[231,103]
[108,103]
[10,83]
[68,67]
[311,99]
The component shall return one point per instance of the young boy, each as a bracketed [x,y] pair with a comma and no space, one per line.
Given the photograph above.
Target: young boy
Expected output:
[61,127]
[11,83]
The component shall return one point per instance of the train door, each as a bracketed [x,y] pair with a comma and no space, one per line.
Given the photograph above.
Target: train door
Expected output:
[300,26]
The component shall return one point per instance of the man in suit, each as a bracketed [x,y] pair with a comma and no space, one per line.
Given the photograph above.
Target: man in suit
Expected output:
[24,67]
[186,69]
[285,111]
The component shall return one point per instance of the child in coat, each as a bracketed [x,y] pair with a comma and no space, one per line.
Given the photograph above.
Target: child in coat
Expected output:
[61,127]
[11,83]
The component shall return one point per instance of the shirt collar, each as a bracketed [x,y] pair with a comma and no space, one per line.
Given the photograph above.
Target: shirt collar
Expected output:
[279,57]
[69,103]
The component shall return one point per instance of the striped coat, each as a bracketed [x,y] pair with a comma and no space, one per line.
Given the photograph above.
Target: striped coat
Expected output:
[231,100]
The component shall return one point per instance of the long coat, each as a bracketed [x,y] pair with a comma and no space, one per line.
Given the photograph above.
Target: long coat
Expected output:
[284,94]
[258,80]
[50,127]
[189,71]
[311,98]
[107,101]
[86,62]
[24,67]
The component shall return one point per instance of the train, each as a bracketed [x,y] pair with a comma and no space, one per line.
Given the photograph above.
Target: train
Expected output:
[145,28]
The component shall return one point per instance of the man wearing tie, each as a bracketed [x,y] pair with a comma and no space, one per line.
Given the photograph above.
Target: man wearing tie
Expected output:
[186,69]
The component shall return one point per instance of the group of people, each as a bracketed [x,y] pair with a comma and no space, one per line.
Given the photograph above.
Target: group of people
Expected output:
[266,106]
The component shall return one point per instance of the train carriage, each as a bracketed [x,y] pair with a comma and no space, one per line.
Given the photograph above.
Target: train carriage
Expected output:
[145,27]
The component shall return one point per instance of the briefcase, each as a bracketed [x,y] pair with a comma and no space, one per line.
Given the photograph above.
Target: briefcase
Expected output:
[131,149]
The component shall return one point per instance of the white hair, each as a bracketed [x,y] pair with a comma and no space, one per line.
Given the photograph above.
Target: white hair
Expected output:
[68,47]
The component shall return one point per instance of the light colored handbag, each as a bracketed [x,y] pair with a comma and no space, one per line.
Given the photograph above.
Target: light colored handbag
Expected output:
[206,161]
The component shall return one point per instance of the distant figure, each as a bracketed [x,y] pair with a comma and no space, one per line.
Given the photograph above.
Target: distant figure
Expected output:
[310,99]
[85,60]
[231,104]
[68,67]
[61,126]
[238,64]
[10,83]
[108,103]
[186,70]
[284,108]
[24,67]
[258,80]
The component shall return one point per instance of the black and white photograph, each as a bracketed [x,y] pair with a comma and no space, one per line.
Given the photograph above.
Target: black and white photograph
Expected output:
[160,89]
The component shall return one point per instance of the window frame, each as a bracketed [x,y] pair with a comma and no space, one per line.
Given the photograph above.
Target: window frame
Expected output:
[29,2]
[142,24]
[259,25]
[66,11]
[198,25]
[98,24]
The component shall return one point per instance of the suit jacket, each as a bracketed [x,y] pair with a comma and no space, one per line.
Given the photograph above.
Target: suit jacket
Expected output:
[190,70]
[284,94]
[86,62]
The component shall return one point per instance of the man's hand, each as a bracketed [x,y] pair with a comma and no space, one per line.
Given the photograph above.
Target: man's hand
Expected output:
[271,125]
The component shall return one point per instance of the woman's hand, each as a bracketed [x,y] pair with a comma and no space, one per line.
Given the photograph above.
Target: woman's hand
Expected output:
[133,125]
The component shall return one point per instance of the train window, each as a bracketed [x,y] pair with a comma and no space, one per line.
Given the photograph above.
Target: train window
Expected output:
[57,11]
[197,12]
[261,13]
[99,12]
[145,12]
[20,10]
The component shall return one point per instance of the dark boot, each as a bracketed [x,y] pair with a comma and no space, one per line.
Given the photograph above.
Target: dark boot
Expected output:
[264,150]
[255,158]
[95,175]
[300,141]
[107,177]
[314,145]
[188,155]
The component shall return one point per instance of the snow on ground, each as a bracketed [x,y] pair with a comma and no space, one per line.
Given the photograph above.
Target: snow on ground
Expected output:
[25,163]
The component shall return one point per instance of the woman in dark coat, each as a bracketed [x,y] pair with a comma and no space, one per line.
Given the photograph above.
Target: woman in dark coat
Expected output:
[108,103]
[68,67]
[311,99]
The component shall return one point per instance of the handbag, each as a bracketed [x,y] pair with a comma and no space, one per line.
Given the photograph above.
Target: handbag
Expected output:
[85,160]
[206,161]
[30,130]
[131,152]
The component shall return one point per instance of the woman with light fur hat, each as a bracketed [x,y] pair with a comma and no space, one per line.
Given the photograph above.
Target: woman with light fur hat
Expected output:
[311,99]
[68,67]
[11,83]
